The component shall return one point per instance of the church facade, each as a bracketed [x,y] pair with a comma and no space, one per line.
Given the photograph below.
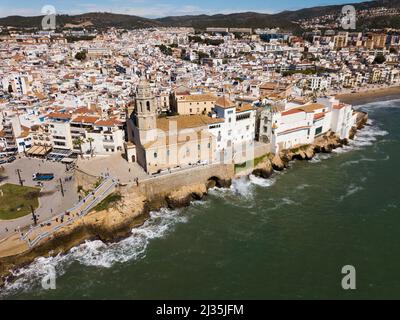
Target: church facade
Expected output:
[168,143]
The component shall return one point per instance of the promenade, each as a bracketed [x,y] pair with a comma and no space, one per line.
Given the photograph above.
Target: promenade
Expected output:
[52,201]
[25,239]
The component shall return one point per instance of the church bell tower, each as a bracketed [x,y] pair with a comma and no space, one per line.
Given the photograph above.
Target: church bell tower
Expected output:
[145,111]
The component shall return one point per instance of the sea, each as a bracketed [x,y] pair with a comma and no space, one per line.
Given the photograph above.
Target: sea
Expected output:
[287,237]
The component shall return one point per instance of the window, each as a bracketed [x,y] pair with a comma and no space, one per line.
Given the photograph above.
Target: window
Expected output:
[318,131]
[148,105]
[155,155]
[243,117]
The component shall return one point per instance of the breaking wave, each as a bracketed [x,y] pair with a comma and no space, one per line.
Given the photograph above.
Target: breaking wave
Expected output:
[351,190]
[97,253]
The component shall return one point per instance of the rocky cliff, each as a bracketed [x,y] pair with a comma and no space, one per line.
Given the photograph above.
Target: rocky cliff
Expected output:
[324,144]
[109,225]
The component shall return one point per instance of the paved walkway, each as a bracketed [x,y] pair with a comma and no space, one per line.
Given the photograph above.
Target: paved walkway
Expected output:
[44,230]
[52,203]
[19,243]
[115,165]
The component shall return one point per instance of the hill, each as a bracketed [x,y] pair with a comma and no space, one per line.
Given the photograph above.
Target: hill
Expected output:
[285,20]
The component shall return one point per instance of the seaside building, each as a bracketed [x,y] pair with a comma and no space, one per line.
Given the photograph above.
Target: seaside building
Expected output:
[302,124]
[165,144]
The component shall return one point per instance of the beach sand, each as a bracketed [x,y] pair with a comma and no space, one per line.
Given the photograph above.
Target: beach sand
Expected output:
[372,95]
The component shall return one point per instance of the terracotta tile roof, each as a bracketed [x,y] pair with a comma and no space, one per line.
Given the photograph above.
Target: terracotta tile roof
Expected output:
[319,116]
[85,119]
[339,106]
[310,108]
[108,123]
[292,111]
[199,97]
[246,107]
[81,110]
[225,103]
[59,115]
[186,122]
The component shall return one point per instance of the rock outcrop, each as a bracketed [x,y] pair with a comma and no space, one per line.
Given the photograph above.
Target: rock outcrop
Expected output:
[362,120]
[264,169]
[110,225]
[184,196]
[277,163]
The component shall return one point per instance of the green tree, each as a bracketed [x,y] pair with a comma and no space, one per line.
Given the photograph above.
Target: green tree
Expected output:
[90,140]
[380,58]
[78,143]
[81,55]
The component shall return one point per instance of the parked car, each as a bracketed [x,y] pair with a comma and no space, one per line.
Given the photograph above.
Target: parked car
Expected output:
[3,161]
[11,159]
[43,176]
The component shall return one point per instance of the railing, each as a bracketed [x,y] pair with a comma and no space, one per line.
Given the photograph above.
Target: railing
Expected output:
[96,199]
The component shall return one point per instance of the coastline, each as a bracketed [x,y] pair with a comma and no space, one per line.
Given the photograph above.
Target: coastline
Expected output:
[370,95]
[116,223]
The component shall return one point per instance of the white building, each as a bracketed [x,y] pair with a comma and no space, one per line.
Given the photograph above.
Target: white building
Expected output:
[303,124]
[236,132]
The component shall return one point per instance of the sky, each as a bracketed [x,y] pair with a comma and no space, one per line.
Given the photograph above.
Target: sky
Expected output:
[157,8]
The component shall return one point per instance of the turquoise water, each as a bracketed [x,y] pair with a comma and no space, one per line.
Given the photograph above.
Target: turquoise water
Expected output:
[286,237]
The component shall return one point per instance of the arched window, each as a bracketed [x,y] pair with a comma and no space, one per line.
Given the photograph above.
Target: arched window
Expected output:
[141,106]
[148,105]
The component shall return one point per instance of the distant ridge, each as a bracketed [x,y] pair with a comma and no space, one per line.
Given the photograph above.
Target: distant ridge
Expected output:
[284,20]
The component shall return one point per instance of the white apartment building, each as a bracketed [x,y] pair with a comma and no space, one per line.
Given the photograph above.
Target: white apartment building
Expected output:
[16,84]
[302,124]
[319,83]
[236,131]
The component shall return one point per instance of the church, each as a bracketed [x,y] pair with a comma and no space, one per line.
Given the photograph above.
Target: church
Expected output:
[161,144]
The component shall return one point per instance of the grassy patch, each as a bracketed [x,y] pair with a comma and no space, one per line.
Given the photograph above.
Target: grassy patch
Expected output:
[241,166]
[108,202]
[98,182]
[300,148]
[16,201]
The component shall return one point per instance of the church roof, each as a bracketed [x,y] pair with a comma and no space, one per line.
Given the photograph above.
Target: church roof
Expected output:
[186,122]
[225,103]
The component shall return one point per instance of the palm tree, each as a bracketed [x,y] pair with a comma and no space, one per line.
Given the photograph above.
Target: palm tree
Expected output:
[90,140]
[78,143]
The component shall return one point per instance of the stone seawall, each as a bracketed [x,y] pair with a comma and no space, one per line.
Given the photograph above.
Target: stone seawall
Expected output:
[164,185]
[174,191]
